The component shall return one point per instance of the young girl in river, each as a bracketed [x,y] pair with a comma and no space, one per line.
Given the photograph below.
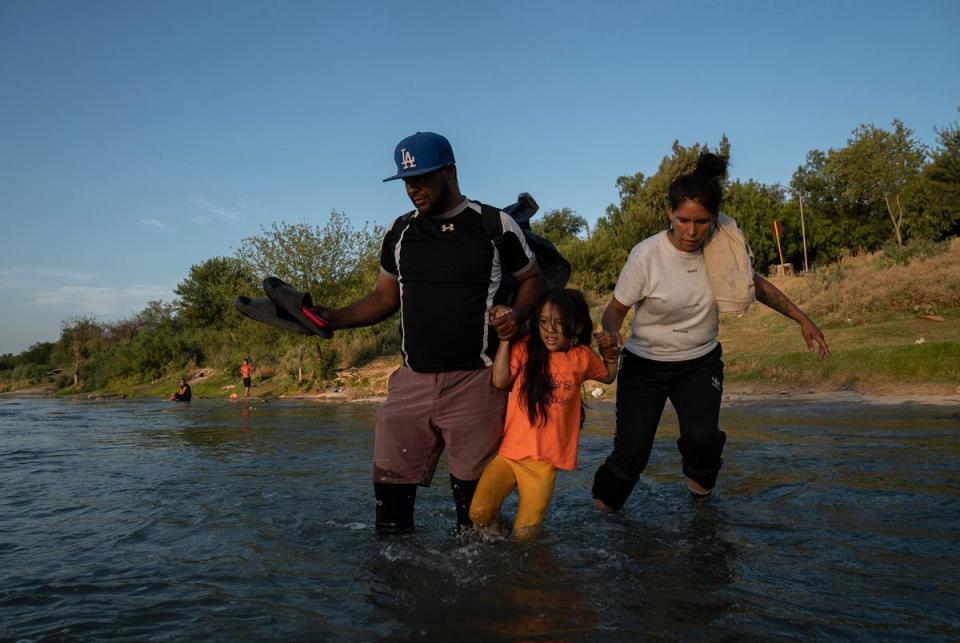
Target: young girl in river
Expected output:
[544,373]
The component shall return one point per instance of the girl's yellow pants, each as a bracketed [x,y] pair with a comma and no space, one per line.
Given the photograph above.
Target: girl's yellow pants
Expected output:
[533,479]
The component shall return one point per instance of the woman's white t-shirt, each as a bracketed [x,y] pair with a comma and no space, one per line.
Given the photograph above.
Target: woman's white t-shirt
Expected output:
[675,316]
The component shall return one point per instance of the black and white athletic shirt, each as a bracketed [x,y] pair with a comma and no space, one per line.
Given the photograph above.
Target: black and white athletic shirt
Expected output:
[449,270]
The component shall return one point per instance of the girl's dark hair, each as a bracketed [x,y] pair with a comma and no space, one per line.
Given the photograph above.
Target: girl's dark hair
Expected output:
[537,386]
[704,185]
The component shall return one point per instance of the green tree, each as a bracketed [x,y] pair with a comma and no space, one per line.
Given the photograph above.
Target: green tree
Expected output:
[560,225]
[334,262]
[206,295]
[597,260]
[942,181]
[79,338]
[755,206]
[31,365]
[147,319]
[38,353]
[877,167]
[835,224]
[168,346]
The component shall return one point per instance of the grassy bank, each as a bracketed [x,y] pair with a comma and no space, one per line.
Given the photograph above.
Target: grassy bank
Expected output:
[893,327]
[370,380]
[901,354]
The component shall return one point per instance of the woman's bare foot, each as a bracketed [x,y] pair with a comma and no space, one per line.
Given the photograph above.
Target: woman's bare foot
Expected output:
[598,504]
[697,490]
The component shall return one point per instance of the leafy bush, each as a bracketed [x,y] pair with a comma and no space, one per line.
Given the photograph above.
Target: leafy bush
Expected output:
[913,249]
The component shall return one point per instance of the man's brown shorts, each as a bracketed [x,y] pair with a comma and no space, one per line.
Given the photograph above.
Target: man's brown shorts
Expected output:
[425,411]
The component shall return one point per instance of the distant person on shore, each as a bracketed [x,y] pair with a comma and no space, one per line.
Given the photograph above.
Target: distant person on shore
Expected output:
[673,350]
[184,394]
[544,373]
[246,370]
[440,268]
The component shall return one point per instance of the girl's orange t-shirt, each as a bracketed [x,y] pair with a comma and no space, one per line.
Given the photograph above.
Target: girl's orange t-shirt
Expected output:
[555,440]
[244,370]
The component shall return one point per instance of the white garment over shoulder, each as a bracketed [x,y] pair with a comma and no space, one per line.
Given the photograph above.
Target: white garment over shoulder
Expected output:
[675,315]
[729,262]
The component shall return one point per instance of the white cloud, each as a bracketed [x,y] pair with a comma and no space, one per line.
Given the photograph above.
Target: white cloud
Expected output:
[154,223]
[27,274]
[226,214]
[101,301]
[43,296]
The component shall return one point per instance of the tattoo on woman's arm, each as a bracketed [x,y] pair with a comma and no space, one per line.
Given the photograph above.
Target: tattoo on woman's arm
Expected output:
[770,295]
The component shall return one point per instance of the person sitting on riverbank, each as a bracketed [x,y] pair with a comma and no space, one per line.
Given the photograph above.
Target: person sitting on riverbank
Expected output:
[184,394]
[544,373]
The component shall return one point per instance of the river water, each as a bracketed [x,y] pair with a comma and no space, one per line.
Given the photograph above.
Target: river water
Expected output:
[224,521]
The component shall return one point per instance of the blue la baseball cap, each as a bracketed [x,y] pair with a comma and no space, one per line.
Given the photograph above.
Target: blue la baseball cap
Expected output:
[421,153]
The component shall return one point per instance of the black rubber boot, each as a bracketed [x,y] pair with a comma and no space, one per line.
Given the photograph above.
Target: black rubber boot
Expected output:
[395,507]
[462,497]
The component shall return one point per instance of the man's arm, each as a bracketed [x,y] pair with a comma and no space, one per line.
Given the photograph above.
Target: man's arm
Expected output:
[377,305]
[771,296]
[530,289]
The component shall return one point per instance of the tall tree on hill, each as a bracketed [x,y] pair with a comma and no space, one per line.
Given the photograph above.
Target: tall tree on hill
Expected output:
[335,262]
[79,337]
[942,176]
[877,167]
[836,224]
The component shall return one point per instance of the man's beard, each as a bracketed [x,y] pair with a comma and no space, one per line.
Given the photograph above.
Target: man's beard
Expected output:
[438,206]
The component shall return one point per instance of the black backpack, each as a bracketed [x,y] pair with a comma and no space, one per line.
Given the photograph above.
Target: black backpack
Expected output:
[555,269]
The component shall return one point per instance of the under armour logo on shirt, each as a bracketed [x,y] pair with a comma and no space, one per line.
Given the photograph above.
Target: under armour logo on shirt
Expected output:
[447,227]
[408,160]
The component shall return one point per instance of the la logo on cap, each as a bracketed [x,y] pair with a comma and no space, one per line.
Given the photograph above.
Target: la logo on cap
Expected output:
[421,153]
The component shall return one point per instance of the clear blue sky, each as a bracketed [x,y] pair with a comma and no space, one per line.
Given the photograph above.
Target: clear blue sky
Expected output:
[138,138]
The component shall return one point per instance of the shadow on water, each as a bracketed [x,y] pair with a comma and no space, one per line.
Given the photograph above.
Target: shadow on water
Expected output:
[472,588]
[614,576]
[142,520]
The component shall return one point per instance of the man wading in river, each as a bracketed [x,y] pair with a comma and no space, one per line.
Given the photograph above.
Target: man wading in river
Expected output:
[440,268]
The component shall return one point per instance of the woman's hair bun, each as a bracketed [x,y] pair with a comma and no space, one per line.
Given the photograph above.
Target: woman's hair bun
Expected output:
[712,165]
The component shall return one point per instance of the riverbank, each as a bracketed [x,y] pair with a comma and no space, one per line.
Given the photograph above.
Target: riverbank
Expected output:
[913,357]
[732,397]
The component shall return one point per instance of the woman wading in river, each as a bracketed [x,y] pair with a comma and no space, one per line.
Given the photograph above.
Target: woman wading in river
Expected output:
[678,288]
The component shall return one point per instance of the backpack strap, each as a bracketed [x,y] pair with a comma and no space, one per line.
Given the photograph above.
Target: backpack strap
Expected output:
[492,224]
